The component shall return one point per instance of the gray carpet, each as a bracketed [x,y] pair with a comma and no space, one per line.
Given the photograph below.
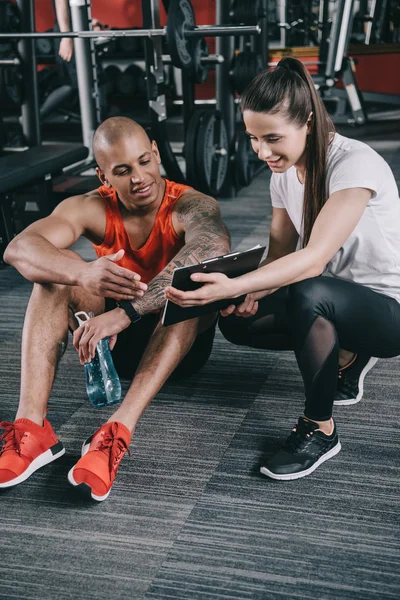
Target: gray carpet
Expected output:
[190,517]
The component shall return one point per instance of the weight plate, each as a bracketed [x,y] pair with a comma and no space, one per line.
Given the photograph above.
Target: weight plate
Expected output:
[2,135]
[139,78]
[190,148]
[245,160]
[131,82]
[246,66]
[212,155]
[199,70]
[109,79]
[13,80]
[128,46]
[44,46]
[180,19]
[245,12]
[10,17]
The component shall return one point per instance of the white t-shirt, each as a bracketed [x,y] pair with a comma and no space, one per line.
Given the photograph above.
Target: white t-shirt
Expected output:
[371,255]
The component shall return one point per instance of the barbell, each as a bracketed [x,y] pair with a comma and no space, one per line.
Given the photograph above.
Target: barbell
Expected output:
[181,33]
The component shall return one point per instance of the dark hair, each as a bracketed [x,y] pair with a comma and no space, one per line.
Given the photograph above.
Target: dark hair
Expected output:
[289,89]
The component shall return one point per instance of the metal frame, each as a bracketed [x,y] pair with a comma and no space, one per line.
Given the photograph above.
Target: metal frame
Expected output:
[86,71]
[26,48]
[225,98]
[339,36]
[199,31]
[157,104]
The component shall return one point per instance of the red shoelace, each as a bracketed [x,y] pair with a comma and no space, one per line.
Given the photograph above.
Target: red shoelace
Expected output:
[114,446]
[11,438]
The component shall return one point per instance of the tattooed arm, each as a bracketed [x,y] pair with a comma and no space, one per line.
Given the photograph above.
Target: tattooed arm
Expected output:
[196,217]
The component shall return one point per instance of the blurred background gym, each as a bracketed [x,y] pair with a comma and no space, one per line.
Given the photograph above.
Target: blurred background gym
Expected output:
[192,519]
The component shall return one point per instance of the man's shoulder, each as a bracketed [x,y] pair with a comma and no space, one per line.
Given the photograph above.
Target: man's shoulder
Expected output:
[90,200]
[192,199]
[88,209]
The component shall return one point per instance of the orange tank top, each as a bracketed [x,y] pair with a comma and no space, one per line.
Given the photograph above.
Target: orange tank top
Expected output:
[160,247]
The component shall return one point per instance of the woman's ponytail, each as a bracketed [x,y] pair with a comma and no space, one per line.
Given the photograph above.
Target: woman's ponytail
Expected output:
[289,89]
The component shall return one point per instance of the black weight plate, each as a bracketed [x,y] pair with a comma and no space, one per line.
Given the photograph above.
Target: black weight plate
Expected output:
[245,12]
[190,148]
[246,66]
[6,49]
[2,134]
[13,80]
[128,46]
[109,79]
[199,70]
[244,160]
[131,81]
[125,84]
[10,17]
[212,167]
[140,79]
[180,19]
[44,46]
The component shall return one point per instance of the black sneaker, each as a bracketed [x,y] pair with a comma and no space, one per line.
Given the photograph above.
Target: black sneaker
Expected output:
[350,384]
[306,448]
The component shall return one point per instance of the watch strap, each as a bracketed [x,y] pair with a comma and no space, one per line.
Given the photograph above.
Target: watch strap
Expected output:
[130,311]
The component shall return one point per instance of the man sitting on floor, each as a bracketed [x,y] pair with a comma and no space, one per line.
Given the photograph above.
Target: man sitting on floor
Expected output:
[142,227]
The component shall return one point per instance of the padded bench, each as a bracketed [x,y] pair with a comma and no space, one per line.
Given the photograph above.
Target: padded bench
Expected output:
[21,169]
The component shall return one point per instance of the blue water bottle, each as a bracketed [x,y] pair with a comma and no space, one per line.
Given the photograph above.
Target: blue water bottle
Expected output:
[103,386]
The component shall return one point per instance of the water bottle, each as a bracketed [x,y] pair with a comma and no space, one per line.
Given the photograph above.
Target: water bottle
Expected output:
[102,382]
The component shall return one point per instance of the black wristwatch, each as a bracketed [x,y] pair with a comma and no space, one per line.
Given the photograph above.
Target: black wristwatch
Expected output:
[130,311]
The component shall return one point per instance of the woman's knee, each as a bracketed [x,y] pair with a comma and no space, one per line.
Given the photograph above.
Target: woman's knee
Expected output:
[234,329]
[309,294]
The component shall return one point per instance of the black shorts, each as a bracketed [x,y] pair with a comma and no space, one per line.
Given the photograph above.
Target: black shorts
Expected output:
[132,342]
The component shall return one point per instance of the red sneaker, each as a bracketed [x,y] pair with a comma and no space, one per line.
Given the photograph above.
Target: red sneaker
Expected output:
[102,453]
[27,446]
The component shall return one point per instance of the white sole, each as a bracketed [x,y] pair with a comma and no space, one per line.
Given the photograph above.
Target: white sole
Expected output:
[85,449]
[42,460]
[371,363]
[289,476]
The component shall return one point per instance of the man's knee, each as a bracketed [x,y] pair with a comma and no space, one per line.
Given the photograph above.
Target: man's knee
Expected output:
[58,290]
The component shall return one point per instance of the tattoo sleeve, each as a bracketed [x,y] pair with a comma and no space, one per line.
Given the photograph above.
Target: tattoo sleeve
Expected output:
[206,236]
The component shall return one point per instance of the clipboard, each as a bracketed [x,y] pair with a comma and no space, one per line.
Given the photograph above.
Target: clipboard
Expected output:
[232,265]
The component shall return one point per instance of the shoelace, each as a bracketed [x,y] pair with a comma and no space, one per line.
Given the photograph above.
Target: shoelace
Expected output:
[114,446]
[346,384]
[299,437]
[11,438]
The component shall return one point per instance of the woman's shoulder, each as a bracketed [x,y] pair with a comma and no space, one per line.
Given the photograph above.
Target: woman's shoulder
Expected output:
[349,153]
[342,148]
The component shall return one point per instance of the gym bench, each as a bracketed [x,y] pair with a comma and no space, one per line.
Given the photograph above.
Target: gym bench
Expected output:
[21,169]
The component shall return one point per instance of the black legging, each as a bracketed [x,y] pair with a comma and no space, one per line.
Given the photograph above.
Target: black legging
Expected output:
[315,318]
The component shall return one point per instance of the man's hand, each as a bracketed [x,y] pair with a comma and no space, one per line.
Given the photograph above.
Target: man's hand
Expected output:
[249,306]
[87,336]
[103,277]
[66,49]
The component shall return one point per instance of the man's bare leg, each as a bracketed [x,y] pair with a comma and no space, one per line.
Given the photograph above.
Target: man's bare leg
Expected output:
[165,350]
[45,334]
